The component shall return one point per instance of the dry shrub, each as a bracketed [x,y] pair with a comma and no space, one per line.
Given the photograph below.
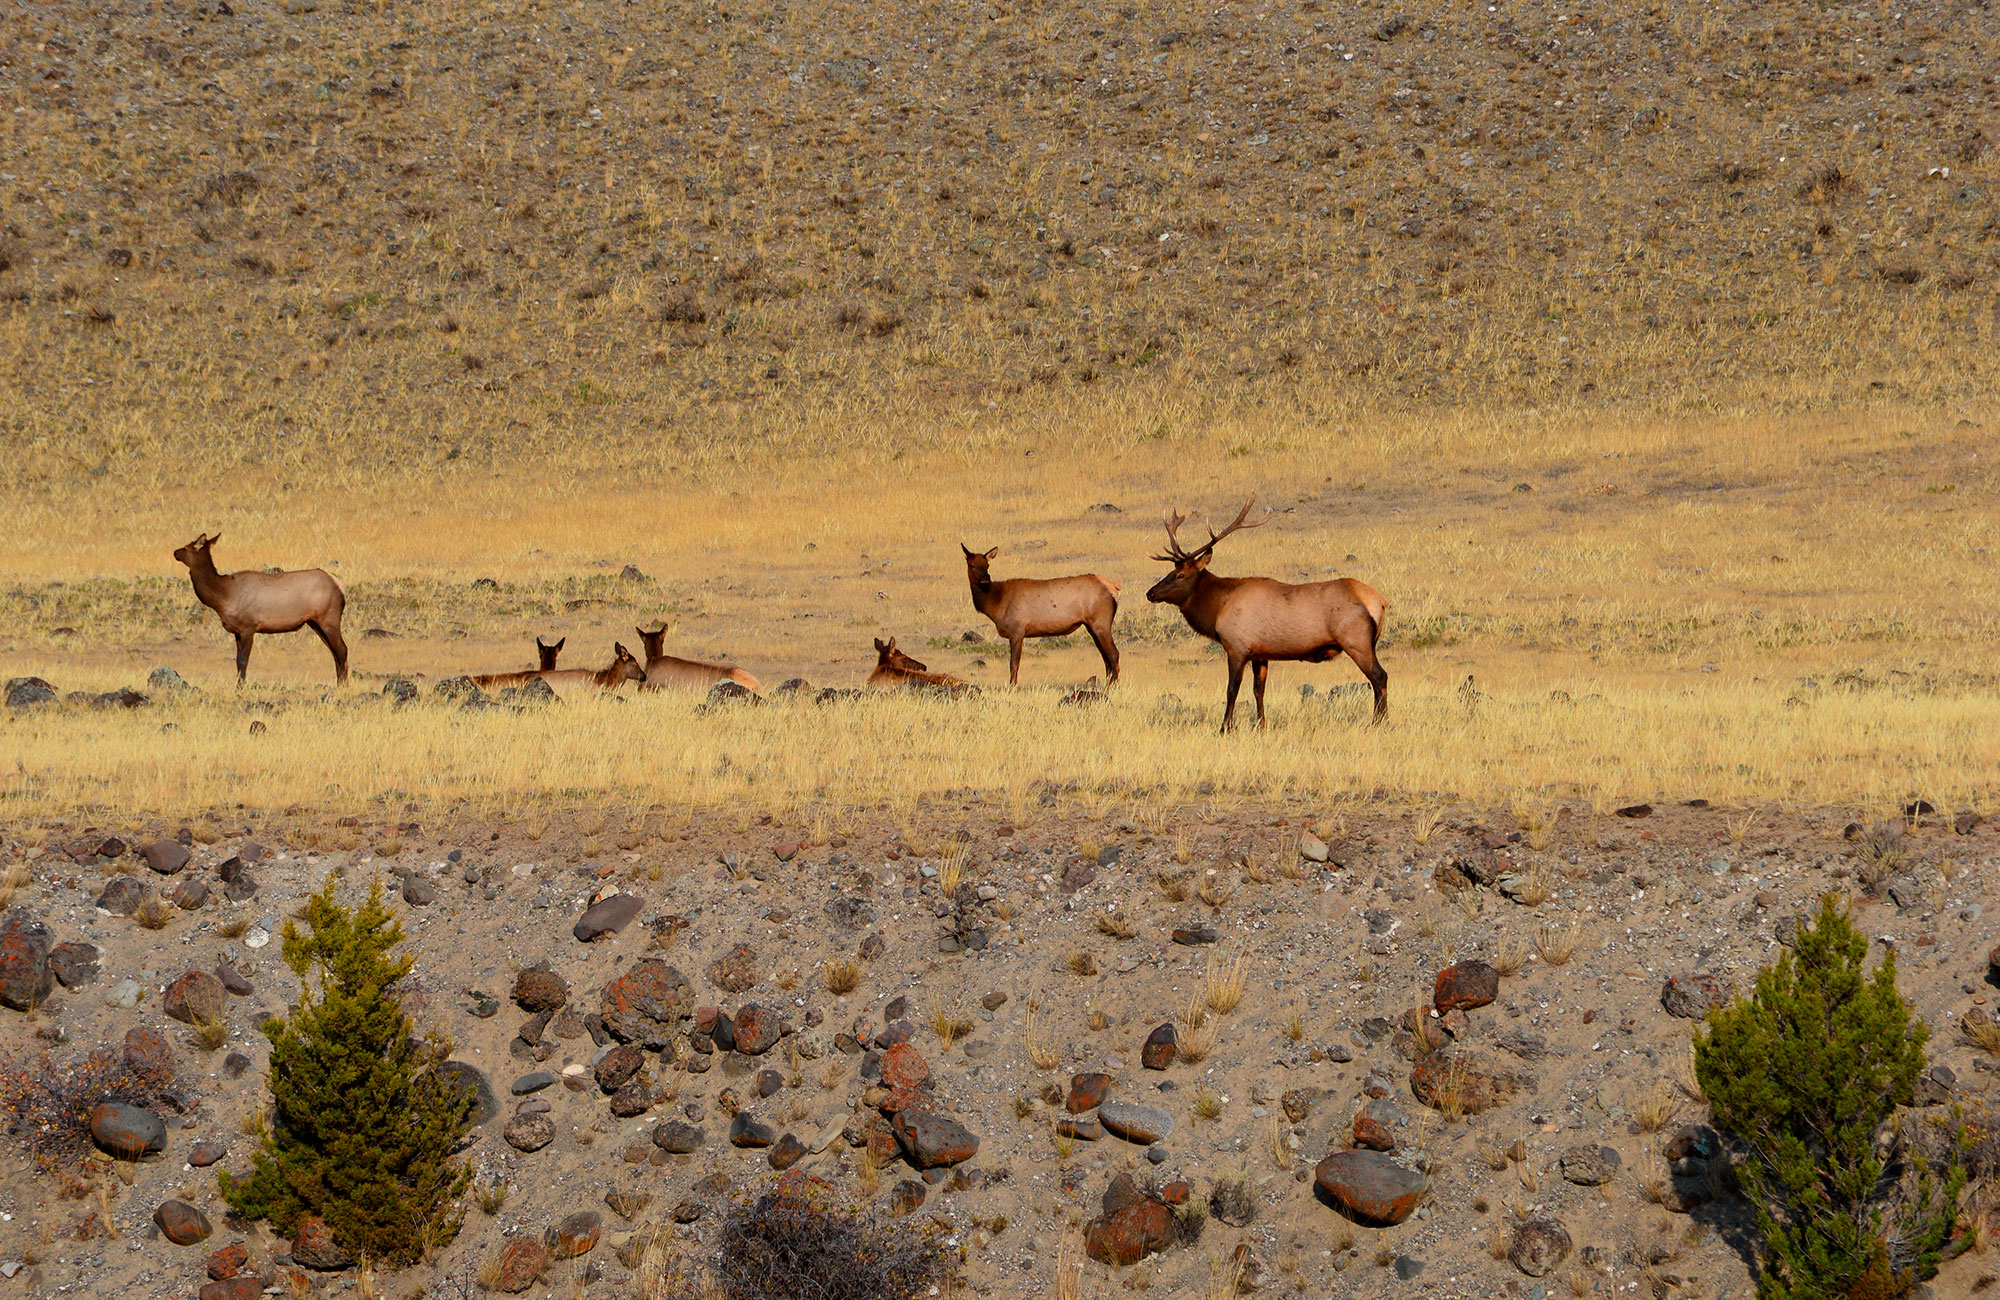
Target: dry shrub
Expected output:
[1043,1048]
[1222,985]
[802,1241]
[842,976]
[50,1101]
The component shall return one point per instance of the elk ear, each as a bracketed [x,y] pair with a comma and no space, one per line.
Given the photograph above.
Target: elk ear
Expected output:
[213,539]
[995,551]
[967,549]
[558,645]
[879,646]
[1201,562]
[618,648]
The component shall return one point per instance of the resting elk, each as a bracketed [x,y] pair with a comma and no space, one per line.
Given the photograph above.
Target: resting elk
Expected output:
[1257,620]
[1025,607]
[622,668]
[249,603]
[664,672]
[893,668]
[543,652]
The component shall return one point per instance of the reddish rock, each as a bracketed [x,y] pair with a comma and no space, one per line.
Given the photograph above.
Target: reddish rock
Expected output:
[194,999]
[903,1067]
[1372,1134]
[148,1054]
[128,1132]
[1370,1186]
[1158,1053]
[932,1141]
[734,971]
[1691,996]
[883,1147]
[181,1223]
[575,1235]
[313,1246]
[522,1263]
[1086,1091]
[1465,985]
[1455,1023]
[25,978]
[1463,1079]
[644,1005]
[234,1288]
[787,1152]
[228,1262]
[1130,1234]
[540,990]
[758,1029]
[617,1066]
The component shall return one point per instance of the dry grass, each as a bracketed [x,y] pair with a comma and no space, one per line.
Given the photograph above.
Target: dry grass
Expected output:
[1043,1046]
[1295,1025]
[1511,954]
[1069,1266]
[951,868]
[210,1035]
[1207,1103]
[154,913]
[1222,983]
[491,1193]
[1117,927]
[1424,824]
[950,1024]
[1194,1041]
[11,880]
[1215,891]
[1655,1109]
[1081,964]
[1556,944]
[842,974]
[1173,888]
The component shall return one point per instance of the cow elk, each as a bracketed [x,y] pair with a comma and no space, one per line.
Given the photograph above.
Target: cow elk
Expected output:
[249,603]
[545,653]
[622,668]
[664,672]
[1257,620]
[1035,607]
[893,668]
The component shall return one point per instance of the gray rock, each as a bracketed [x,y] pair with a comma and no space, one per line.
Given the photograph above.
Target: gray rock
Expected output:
[1589,1166]
[1904,891]
[1144,1125]
[535,1082]
[676,1137]
[165,681]
[121,896]
[166,856]
[29,692]
[73,964]
[124,994]
[1691,995]
[470,1079]
[608,916]
[1539,1247]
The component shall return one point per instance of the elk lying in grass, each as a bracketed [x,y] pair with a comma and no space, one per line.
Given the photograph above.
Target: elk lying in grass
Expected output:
[545,653]
[1257,620]
[664,672]
[249,603]
[1025,607]
[893,668]
[563,681]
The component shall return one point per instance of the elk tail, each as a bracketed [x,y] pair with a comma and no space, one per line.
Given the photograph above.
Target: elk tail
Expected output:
[1114,587]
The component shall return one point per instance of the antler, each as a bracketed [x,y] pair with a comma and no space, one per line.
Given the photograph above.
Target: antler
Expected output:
[1174,553]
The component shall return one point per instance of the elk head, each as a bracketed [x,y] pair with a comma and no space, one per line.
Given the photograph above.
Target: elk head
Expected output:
[888,656]
[547,653]
[1176,587]
[651,640]
[979,565]
[628,668]
[196,551]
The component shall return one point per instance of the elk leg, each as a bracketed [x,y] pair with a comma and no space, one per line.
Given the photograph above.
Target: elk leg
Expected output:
[243,640]
[331,636]
[1371,668]
[1259,670]
[1107,649]
[1235,685]
[1014,660]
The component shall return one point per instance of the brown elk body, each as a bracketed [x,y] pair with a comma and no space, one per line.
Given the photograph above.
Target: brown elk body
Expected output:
[622,668]
[1257,620]
[1036,607]
[546,654]
[249,603]
[893,668]
[665,672]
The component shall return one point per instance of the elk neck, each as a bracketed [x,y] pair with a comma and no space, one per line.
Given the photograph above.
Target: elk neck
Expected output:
[1204,603]
[987,595]
[210,587]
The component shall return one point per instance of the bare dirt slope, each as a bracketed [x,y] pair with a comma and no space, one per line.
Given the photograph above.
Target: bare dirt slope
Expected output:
[1060,939]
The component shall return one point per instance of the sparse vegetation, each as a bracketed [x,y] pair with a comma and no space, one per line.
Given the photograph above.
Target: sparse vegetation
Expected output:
[842,975]
[1222,983]
[801,1240]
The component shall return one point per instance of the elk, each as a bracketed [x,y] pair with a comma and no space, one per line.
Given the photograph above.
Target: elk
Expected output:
[622,668]
[1256,620]
[893,668]
[664,672]
[249,603]
[1025,607]
[545,653]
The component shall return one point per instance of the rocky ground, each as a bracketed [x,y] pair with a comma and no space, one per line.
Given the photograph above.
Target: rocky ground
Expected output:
[992,1067]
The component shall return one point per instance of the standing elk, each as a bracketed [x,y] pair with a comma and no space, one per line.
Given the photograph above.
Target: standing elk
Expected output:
[1025,607]
[622,668]
[893,668]
[249,603]
[1257,620]
[664,672]
[546,654]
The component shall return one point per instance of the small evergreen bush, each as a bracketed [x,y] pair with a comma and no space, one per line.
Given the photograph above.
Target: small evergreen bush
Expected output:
[1805,1074]
[362,1134]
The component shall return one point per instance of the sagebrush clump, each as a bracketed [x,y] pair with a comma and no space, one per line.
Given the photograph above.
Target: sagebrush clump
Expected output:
[362,1132]
[801,1240]
[1804,1075]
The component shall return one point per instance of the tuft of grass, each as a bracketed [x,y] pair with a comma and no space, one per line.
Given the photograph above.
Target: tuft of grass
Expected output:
[1295,1024]
[1538,888]
[951,868]
[1195,1040]
[1557,944]
[491,1193]
[11,880]
[950,1024]
[1174,888]
[1424,825]
[210,1034]
[1654,1109]
[1081,963]
[1043,1048]
[842,976]
[1117,927]
[154,913]
[1215,891]
[1510,956]
[1223,984]
[1207,1103]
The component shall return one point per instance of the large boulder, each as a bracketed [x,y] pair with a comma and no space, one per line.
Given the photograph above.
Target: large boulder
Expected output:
[645,1004]
[194,999]
[1370,1186]
[1465,985]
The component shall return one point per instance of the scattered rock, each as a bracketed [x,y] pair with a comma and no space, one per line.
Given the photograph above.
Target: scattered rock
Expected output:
[1160,1048]
[1462,1079]
[203,1154]
[181,1223]
[1465,986]
[313,1247]
[575,1235]
[536,989]
[645,1005]
[194,999]
[1690,996]
[1144,1125]
[678,1138]
[1539,1247]
[758,1028]
[1370,1186]
[122,896]
[1086,1091]
[1198,936]
[246,1287]
[608,916]
[1132,1226]
[735,971]
[1589,1166]
[166,856]
[529,1132]
[25,978]
[147,1054]
[617,1066]
[746,1130]
[788,1151]
[228,1262]
[932,1141]
[190,893]
[125,1131]
[523,1260]
[73,964]
[28,692]
[1934,1086]
[1636,810]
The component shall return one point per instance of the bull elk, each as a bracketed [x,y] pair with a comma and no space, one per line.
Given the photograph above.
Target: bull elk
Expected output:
[1025,607]
[546,654]
[893,668]
[622,668]
[664,672]
[249,603]
[1257,620]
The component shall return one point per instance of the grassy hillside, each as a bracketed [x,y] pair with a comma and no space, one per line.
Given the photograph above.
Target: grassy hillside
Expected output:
[341,239]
